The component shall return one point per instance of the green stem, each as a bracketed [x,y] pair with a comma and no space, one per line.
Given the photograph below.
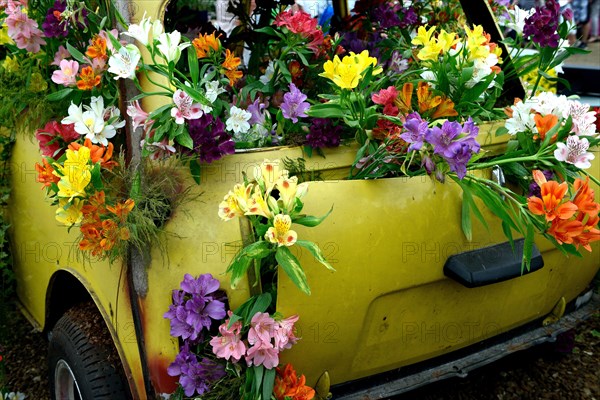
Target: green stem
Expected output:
[503,161]
[537,83]
[592,177]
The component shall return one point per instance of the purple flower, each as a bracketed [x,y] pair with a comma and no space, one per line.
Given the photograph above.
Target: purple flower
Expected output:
[323,134]
[196,377]
[459,160]
[386,15]
[534,188]
[257,111]
[542,26]
[211,141]
[415,130]
[409,18]
[442,138]
[182,359]
[55,25]
[294,104]
[195,307]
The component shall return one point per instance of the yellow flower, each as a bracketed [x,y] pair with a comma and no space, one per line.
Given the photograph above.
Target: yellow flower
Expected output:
[289,190]
[69,213]
[4,38]
[37,83]
[280,232]
[258,206]
[269,173]
[447,40]
[423,36]
[235,203]
[11,64]
[347,73]
[476,41]
[76,173]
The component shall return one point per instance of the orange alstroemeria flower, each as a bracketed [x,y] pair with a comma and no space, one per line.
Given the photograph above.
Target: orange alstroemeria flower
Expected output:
[230,66]
[584,198]
[564,231]
[94,208]
[91,239]
[550,203]
[205,44]
[97,49]
[97,153]
[442,106]
[590,232]
[89,79]
[121,210]
[289,386]
[404,100]
[46,174]
[544,124]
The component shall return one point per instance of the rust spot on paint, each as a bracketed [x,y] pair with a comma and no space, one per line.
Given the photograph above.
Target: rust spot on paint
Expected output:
[162,382]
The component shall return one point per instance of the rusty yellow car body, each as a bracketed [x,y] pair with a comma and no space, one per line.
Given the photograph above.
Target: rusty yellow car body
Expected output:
[387,305]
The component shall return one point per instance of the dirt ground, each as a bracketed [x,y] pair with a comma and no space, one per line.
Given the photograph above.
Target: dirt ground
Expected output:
[539,373]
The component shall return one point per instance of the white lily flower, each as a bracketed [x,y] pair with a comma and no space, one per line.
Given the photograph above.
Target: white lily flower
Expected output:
[169,46]
[238,120]
[124,63]
[213,90]
[141,32]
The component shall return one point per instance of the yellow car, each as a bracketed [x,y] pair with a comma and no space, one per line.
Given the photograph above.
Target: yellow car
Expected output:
[408,304]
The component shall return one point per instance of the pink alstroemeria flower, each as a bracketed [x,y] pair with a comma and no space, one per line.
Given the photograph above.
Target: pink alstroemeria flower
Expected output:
[229,344]
[61,54]
[262,327]
[574,152]
[138,116]
[32,43]
[263,353]
[284,333]
[67,74]
[185,108]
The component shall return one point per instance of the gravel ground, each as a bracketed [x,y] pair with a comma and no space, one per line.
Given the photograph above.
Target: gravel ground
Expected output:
[538,373]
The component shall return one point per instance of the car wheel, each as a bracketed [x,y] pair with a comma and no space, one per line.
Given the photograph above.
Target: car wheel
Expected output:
[82,361]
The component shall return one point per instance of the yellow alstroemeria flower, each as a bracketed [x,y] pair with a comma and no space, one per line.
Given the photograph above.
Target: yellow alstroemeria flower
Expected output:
[447,40]
[346,73]
[289,190]
[76,173]
[69,213]
[280,232]
[269,172]
[257,205]
[475,43]
[423,37]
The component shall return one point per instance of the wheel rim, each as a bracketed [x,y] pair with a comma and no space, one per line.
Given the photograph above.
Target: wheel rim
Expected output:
[65,384]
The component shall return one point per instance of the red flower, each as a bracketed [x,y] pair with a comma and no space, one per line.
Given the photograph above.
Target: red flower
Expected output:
[54,137]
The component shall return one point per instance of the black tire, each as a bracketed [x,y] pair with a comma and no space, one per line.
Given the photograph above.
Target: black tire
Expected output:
[81,356]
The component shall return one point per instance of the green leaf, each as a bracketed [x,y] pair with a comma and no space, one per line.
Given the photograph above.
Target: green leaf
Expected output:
[261,304]
[258,377]
[289,263]
[527,248]
[326,110]
[501,131]
[316,252]
[508,233]
[76,54]
[195,170]
[136,186]
[193,64]
[97,177]
[185,139]
[310,220]
[465,220]
[61,94]
[268,383]
[238,268]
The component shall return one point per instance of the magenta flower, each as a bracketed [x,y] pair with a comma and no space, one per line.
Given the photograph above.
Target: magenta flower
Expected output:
[55,25]
[67,74]
[211,140]
[294,104]
[263,353]
[542,26]
[54,138]
[387,98]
